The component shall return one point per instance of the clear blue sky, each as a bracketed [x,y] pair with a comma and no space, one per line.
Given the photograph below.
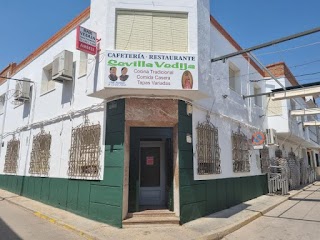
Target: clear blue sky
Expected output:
[25,25]
[252,22]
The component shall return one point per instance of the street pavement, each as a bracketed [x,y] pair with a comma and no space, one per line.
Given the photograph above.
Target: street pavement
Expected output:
[18,223]
[297,218]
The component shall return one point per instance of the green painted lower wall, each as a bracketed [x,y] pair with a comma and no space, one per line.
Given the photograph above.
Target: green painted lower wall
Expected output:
[98,200]
[201,198]
[91,199]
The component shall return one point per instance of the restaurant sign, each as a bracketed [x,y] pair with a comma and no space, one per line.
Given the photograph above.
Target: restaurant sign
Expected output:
[151,70]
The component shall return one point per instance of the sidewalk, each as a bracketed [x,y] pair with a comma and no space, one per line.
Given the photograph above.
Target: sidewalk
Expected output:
[214,226]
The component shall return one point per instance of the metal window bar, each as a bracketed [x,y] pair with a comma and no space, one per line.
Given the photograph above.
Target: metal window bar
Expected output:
[265,160]
[240,152]
[208,150]
[278,180]
[85,151]
[40,154]
[12,155]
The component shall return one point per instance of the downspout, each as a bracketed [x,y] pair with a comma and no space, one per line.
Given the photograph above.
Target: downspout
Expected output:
[4,112]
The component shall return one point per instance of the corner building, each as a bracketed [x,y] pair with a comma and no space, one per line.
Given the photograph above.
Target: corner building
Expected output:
[147,123]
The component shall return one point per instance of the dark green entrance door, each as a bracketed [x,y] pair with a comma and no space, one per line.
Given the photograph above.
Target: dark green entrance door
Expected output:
[152,174]
[151,168]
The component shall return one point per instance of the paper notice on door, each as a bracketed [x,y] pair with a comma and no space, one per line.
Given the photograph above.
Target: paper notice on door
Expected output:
[150,161]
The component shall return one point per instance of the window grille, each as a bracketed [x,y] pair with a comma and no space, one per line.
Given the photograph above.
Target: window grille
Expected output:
[265,160]
[240,152]
[85,151]
[208,150]
[12,155]
[40,154]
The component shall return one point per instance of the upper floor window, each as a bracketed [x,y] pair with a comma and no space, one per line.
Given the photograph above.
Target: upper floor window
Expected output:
[83,64]
[234,78]
[2,102]
[274,107]
[47,84]
[257,99]
[152,31]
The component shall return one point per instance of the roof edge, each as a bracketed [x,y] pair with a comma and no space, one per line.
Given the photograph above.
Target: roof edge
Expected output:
[233,42]
[286,72]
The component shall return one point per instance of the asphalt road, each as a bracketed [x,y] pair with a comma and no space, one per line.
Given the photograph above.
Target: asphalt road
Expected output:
[297,218]
[18,223]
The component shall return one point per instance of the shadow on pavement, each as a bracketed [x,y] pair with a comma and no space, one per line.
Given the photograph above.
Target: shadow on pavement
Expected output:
[6,232]
[229,212]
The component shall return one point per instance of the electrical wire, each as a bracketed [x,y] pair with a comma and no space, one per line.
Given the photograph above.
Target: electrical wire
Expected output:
[301,75]
[68,115]
[290,67]
[288,49]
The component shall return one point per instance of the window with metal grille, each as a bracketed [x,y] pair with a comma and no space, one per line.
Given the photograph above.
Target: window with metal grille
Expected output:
[152,31]
[240,152]
[12,155]
[265,160]
[85,151]
[40,154]
[208,150]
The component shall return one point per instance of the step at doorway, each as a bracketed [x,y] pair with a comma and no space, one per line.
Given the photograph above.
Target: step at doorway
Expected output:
[149,217]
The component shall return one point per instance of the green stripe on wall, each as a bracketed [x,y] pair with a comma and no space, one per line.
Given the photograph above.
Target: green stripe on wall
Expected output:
[201,198]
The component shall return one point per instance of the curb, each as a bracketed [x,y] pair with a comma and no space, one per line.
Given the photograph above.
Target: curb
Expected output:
[54,221]
[64,225]
[221,233]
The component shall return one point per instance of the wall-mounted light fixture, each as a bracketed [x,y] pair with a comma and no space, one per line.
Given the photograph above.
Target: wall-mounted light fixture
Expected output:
[113,105]
[189,109]
[189,138]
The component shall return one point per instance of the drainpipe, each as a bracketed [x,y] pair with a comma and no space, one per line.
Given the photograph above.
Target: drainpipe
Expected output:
[4,111]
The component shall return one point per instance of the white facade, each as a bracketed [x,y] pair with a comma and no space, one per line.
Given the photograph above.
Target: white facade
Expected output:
[62,108]
[292,137]
[57,111]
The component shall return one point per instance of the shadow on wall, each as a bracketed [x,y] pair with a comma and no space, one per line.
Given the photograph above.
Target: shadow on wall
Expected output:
[26,109]
[67,91]
[6,232]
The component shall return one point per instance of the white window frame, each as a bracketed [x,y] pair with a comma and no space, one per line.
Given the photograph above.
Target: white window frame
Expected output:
[2,103]
[46,79]
[235,80]
[83,64]
[257,99]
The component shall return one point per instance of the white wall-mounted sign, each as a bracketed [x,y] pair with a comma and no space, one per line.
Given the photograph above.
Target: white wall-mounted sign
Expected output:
[86,40]
[151,70]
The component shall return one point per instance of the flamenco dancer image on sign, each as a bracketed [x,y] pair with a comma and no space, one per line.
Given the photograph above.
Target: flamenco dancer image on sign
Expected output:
[187,80]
